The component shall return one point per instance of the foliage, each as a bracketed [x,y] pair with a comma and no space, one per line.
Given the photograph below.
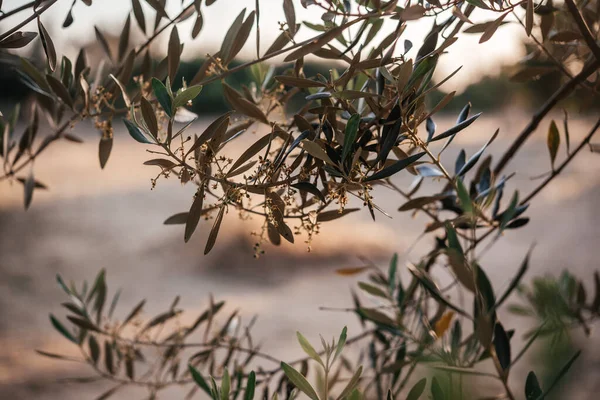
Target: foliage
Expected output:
[357,128]
[409,326]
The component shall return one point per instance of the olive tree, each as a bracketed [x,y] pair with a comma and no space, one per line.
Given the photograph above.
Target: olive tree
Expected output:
[357,128]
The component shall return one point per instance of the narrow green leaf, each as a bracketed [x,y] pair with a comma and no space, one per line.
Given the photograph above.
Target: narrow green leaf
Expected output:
[475,157]
[160,319]
[508,215]
[225,385]
[103,43]
[250,386]
[351,384]
[299,82]
[463,197]
[453,241]
[436,390]
[420,202]
[251,151]
[193,216]
[372,290]
[186,95]
[241,37]
[94,348]
[199,380]
[394,168]
[56,356]
[392,273]
[108,358]
[63,285]
[214,130]
[60,90]
[529,17]
[135,132]
[350,135]
[309,188]
[174,52]
[104,150]
[433,289]
[417,390]
[48,45]
[214,232]
[28,186]
[455,129]
[316,44]
[316,151]
[334,214]
[138,13]
[17,40]
[502,347]
[231,35]
[136,310]
[533,390]
[492,28]
[463,371]
[299,381]
[83,323]
[341,342]
[162,95]
[553,142]
[61,329]
[124,39]
[567,136]
[290,15]
[308,349]
[149,117]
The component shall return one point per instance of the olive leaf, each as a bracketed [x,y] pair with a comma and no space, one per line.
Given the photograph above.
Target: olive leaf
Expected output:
[186,95]
[17,40]
[104,149]
[290,15]
[48,45]
[174,52]
[214,232]
[163,96]
[396,167]
[417,390]
[193,216]
[299,381]
[553,142]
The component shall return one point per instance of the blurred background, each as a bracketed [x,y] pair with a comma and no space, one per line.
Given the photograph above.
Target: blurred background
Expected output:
[90,218]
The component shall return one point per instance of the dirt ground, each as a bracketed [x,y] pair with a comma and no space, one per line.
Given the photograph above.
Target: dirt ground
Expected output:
[92,219]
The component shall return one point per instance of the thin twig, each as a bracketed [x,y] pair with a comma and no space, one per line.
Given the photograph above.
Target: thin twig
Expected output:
[17,10]
[560,94]
[33,16]
[562,166]
[557,171]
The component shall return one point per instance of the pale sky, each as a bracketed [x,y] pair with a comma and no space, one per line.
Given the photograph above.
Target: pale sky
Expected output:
[476,59]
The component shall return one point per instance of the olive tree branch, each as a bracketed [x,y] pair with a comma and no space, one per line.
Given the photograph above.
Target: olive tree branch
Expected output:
[554,173]
[561,93]
[17,10]
[36,14]
[57,134]
[562,166]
